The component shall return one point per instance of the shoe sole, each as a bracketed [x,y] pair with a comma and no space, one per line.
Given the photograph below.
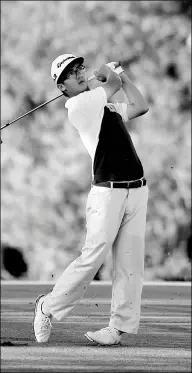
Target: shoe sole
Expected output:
[100,344]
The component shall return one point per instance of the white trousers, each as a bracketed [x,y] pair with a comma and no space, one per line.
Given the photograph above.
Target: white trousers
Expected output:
[116,219]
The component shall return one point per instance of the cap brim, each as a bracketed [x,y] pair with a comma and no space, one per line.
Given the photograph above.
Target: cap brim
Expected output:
[77,59]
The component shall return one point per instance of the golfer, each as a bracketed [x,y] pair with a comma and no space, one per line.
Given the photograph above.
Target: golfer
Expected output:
[116,205]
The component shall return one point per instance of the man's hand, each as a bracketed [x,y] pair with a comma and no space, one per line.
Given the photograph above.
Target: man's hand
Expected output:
[99,76]
[116,66]
[109,80]
[104,73]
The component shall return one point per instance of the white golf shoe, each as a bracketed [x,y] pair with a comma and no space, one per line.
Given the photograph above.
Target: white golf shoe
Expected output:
[106,337]
[42,323]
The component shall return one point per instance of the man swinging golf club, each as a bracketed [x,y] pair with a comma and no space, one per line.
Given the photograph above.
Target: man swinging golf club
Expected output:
[116,205]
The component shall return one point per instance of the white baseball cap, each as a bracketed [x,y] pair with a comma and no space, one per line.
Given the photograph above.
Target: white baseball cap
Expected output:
[60,64]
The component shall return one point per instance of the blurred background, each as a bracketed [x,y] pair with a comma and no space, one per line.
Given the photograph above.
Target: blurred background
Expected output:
[45,169]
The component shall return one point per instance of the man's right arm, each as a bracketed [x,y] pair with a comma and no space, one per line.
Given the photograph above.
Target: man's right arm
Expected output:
[110,80]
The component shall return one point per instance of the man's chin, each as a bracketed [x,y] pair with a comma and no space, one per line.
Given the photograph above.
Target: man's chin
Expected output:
[83,86]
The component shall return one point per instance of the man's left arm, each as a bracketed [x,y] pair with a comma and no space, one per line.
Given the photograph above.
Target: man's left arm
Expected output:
[137,105]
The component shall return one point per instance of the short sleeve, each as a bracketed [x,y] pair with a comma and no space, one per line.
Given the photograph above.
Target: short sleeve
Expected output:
[121,108]
[77,119]
[84,108]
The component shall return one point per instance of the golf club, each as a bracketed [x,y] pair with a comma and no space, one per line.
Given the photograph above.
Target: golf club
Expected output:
[38,107]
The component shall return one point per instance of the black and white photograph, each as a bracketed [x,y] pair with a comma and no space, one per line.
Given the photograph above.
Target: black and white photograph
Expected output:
[96,186]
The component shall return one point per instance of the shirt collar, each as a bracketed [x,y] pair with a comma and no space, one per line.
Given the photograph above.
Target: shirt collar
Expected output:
[70,102]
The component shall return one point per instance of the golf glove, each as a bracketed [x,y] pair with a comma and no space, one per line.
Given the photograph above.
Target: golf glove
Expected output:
[115,66]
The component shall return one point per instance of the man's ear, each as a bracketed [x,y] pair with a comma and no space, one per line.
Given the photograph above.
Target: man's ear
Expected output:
[61,86]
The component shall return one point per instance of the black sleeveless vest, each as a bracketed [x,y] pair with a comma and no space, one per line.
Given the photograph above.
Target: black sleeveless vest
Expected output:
[115,156]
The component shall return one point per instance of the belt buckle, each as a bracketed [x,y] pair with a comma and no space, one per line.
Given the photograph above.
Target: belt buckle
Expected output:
[111,184]
[142,182]
[128,183]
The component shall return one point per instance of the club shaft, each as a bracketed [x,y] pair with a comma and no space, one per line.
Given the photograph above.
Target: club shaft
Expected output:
[38,107]
[31,111]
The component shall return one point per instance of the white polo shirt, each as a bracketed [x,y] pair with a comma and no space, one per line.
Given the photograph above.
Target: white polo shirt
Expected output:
[85,113]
